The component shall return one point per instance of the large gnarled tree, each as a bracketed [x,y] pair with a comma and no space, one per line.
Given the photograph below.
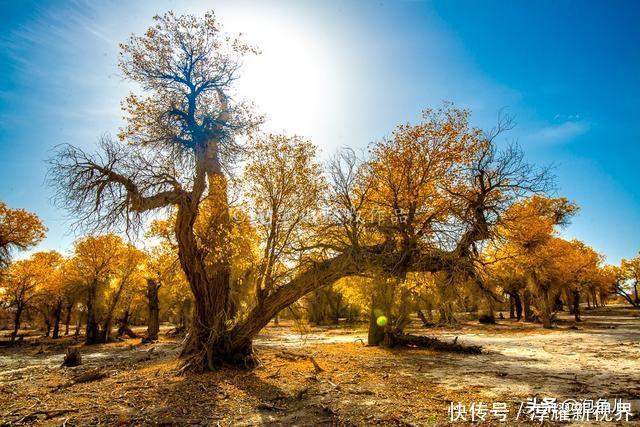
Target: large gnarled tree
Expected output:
[448,180]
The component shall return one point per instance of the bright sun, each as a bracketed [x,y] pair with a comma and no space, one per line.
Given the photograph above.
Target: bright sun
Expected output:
[295,76]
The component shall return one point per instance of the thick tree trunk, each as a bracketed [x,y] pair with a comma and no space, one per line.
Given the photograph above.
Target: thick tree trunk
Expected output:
[47,324]
[376,332]
[318,307]
[603,298]
[105,335]
[445,314]
[380,313]
[79,324]
[576,305]
[207,341]
[16,322]
[153,323]
[512,306]
[67,321]
[57,315]
[518,304]
[526,300]
[546,303]
[445,286]
[327,272]
[92,329]
[184,316]
[208,344]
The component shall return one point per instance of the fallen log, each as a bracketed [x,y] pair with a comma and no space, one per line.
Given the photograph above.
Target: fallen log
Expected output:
[406,340]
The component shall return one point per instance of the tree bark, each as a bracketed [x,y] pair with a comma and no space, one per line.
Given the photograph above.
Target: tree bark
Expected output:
[380,313]
[375,335]
[576,305]
[528,313]
[47,324]
[67,321]
[153,324]
[518,305]
[512,306]
[545,303]
[16,322]
[208,343]
[92,329]
[326,272]
[57,315]
[79,324]
[105,334]
[444,287]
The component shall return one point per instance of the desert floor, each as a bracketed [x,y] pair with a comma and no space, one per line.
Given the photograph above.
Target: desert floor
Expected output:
[128,382]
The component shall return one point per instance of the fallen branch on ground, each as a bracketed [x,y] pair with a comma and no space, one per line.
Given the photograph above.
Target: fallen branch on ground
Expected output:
[48,414]
[92,375]
[406,340]
[295,356]
[85,377]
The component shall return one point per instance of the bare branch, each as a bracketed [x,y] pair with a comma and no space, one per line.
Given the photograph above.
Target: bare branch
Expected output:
[112,188]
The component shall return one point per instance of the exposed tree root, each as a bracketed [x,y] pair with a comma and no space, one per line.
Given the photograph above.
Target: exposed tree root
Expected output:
[406,340]
[214,355]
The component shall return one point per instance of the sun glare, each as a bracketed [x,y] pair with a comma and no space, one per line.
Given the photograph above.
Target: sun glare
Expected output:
[293,78]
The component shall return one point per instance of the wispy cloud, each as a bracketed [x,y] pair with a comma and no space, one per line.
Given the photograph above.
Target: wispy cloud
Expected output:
[560,132]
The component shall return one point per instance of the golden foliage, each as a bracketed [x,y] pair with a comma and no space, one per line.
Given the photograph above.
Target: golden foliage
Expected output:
[19,229]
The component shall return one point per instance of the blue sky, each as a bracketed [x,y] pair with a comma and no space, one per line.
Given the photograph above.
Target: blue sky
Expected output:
[345,73]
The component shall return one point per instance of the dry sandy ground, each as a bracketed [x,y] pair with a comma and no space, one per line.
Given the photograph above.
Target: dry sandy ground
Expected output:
[357,385]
